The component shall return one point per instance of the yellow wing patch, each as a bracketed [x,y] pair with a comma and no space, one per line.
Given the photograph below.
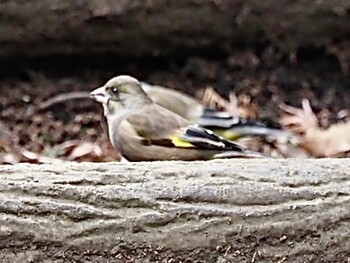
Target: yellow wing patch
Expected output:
[227,134]
[178,142]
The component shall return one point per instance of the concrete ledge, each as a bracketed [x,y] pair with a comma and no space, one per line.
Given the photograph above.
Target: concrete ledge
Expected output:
[218,211]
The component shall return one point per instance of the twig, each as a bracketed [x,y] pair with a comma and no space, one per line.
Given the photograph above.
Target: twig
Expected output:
[63,98]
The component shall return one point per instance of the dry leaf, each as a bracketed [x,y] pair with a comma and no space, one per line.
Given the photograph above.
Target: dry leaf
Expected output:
[38,158]
[85,149]
[299,120]
[330,142]
[9,158]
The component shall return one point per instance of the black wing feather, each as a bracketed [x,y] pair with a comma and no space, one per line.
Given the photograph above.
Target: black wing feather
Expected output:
[203,138]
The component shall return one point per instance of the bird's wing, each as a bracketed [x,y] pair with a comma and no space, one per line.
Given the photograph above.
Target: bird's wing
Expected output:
[154,121]
[175,101]
[232,128]
[194,136]
[220,119]
[164,128]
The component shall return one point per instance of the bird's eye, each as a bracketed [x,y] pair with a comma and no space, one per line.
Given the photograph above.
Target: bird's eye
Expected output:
[115,91]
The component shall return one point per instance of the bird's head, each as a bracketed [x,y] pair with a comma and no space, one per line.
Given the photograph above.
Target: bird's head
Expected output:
[122,92]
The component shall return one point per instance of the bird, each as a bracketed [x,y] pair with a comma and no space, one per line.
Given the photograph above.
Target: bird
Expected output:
[220,122]
[223,123]
[175,101]
[142,130]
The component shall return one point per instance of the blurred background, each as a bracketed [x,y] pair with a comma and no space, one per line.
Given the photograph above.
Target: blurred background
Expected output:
[279,62]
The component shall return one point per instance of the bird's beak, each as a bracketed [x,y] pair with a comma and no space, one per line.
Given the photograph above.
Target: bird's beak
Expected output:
[100,95]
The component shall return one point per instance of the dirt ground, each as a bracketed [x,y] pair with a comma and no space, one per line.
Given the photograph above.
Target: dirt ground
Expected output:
[131,253]
[262,80]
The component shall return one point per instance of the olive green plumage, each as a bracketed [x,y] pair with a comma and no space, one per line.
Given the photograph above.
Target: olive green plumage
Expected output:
[142,130]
